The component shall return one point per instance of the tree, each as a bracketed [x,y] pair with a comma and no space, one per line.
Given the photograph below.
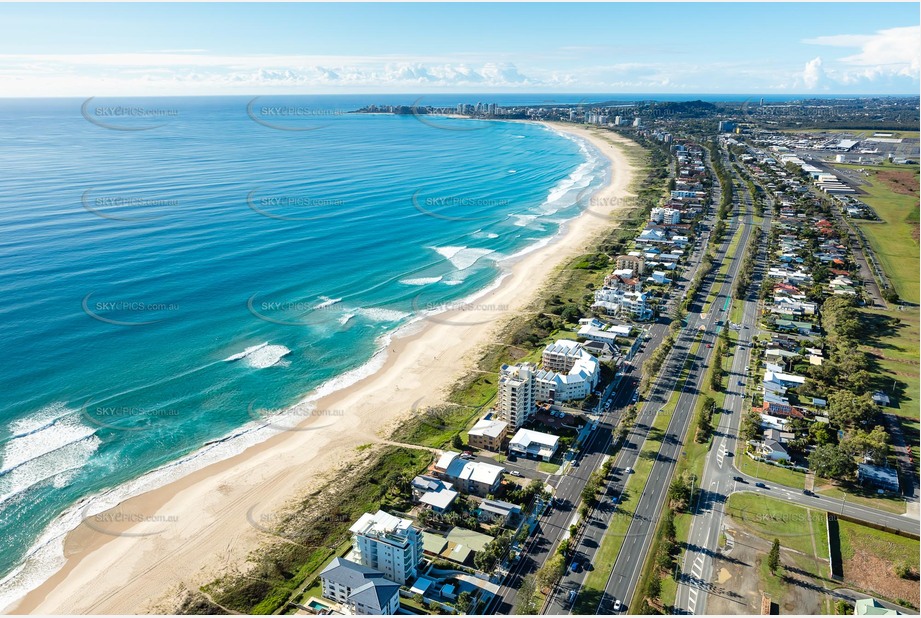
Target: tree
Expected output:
[654,587]
[487,559]
[820,434]
[571,313]
[664,560]
[464,602]
[526,603]
[668,525]
[774,557]
[873,444]
[845,409]
[751,426]
[456,442]
[679,493]
[553,569]
[831,462]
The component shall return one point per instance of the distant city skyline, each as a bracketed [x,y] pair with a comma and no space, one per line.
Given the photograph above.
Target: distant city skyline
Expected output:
[211,49]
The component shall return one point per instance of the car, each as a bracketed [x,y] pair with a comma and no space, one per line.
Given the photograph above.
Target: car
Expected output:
[728,453]
[571,598]
[628,470]
[761,485]
[806,492]
[515,473]
[709,345]
[617,605]
[468,453]
[613,499]
[738,479]
[575,463]
[741,383]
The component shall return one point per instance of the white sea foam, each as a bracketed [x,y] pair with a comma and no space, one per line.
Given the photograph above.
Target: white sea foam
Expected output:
[46,556]
[266,356]
[462,258]
[44,417]
[345,318]
[327,302]
[55,451]
[524,220]
[421,281]
[380,314]
[246,352]
[513,171]
[260,356]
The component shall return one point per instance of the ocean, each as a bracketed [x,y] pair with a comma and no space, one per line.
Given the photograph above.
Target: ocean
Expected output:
[181,277]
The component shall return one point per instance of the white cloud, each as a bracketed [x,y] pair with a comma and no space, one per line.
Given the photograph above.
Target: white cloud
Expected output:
[894,52]
[813,74]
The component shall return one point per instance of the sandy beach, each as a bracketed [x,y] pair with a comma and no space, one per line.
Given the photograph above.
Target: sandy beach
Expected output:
[201,526]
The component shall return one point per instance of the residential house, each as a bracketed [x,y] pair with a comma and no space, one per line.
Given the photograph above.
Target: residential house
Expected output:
[534,444]
[364,590]
[434,493]
[472,477]
[489,433]
[498,512]
[878,476]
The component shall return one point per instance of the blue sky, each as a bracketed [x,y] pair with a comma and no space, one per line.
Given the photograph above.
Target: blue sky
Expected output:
[175,49]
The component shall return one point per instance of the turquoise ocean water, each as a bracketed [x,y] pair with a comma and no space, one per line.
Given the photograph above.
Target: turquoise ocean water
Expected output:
[177,273]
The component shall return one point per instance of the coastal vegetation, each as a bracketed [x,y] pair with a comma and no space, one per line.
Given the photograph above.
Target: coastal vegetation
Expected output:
[300,542]
[317,529]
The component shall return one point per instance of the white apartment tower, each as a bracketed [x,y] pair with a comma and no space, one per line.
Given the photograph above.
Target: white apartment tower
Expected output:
[387,543]
[516,393]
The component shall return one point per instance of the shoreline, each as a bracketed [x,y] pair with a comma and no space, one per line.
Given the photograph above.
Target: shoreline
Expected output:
[211,509]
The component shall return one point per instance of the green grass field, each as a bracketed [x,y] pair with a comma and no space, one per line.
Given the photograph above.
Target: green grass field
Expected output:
[884,545]
[769,519]
[771,473]
[897,352]
[877,502]
[895,242]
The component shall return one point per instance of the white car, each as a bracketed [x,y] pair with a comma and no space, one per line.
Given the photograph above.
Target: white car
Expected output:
[617,605]
[515,473]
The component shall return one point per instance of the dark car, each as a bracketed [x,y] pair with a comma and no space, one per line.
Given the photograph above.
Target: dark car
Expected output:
[806,492]
[761,485]
[738,479]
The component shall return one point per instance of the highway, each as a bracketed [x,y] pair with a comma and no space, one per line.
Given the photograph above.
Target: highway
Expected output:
[627,569]
[720,479]
[553,526]
[717,480]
